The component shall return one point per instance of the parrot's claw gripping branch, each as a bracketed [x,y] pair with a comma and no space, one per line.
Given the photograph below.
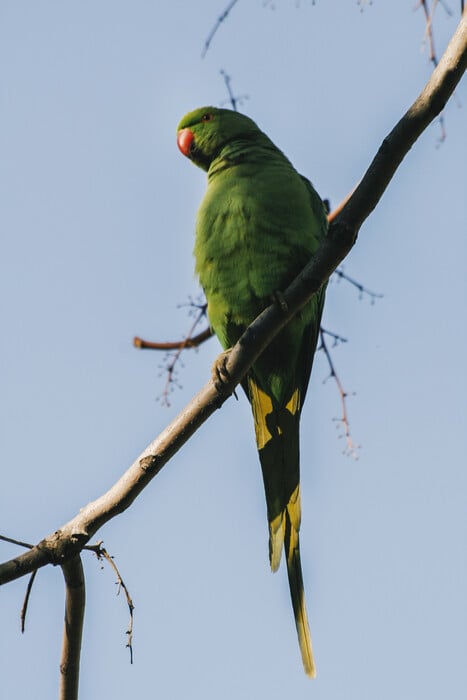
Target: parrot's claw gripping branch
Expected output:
[220,375]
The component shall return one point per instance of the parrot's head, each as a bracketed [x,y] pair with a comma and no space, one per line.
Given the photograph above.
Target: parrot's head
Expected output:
[203,133]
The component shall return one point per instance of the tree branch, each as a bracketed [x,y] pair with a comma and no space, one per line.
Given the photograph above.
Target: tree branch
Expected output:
[66,542]
[24,609]
[73,628]
[396,145]
[188,342]
[102,553]
[218,23]
[351,448]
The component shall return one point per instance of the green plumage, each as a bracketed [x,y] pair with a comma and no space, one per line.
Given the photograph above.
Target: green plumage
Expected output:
[258,225]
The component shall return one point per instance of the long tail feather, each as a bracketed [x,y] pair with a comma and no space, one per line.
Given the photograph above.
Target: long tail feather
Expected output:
[297,594]
[277,440]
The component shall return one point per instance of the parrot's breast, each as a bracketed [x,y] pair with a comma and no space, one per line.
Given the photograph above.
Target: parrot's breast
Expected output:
[255,231]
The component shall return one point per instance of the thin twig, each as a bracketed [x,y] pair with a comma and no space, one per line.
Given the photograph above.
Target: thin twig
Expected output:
[351,448]
[227,81]
[171,367]
[24,609]
[336,338]
[340,274]
[234,101]
[429,29]
[218,23]
[178,346]
[102,553]
[18,542]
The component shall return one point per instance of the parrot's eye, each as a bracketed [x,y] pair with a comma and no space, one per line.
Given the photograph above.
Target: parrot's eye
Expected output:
[207,117]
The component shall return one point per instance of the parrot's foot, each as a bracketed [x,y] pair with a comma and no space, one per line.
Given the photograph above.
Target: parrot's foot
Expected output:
[220,374]
[279,299]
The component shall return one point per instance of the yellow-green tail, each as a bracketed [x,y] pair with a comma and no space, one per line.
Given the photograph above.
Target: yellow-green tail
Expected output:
[297,594]
[277,440]
[283,533]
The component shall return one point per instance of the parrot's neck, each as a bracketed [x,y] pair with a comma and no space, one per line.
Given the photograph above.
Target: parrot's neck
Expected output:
[245,152]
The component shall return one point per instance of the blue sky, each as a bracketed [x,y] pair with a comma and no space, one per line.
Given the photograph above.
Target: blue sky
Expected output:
[96,226]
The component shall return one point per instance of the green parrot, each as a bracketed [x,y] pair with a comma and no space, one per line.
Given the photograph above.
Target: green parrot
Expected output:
[259,224]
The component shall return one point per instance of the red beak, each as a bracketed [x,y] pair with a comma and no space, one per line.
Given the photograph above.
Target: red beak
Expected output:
[184,140]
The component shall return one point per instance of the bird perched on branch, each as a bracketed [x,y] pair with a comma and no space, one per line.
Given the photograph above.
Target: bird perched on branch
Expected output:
[259,224]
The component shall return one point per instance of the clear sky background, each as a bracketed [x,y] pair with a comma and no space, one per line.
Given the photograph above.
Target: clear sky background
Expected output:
[96,225]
